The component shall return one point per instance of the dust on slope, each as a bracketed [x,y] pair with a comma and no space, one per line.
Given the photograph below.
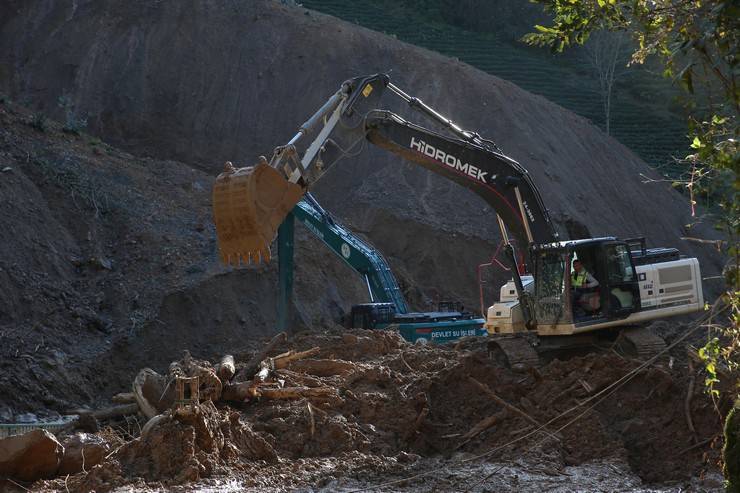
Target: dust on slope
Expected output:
[205,82]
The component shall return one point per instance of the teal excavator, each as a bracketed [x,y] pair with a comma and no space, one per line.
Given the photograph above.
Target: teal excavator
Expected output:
[387,308]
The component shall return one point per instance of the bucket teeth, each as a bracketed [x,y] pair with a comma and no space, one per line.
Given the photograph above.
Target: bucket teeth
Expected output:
[248,206]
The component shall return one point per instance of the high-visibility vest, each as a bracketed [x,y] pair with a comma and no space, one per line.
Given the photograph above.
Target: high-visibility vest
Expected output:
[577,280]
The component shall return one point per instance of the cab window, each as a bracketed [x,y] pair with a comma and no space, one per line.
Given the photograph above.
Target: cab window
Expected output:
[619,265]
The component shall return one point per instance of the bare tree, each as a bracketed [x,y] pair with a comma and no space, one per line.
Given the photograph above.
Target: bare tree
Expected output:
[608,54]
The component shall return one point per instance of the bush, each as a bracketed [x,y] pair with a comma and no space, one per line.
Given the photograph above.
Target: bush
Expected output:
[39,122]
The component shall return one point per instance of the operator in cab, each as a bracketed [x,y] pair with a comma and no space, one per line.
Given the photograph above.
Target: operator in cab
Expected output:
[585,299]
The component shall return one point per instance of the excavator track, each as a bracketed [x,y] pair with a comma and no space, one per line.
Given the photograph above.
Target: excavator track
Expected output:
[518,351]
[644,342]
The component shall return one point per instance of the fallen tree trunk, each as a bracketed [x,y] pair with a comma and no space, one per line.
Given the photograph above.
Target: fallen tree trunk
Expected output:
[238,392]
[116,411]
[124,398]
[323,367]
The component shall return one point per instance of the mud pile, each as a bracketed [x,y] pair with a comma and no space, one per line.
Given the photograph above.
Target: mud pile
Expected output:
[368,403]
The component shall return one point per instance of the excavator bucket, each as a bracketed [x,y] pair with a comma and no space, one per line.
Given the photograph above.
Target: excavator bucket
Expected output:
[248,206]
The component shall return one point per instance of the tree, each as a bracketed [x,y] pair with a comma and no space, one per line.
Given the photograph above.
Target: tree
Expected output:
[697,42]
[607,55]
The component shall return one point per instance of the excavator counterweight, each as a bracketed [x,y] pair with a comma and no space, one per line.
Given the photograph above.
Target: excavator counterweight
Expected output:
[248,206]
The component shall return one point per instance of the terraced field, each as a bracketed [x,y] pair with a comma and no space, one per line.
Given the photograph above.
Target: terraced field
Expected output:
[641,118]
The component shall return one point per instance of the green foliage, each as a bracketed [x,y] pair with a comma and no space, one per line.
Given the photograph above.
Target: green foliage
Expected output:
[73,122]
[697,42]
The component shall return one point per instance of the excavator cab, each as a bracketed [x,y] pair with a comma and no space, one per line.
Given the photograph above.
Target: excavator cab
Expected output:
[562,305]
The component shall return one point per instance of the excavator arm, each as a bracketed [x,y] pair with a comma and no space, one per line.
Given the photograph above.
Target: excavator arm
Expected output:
[351,116]
[358,254]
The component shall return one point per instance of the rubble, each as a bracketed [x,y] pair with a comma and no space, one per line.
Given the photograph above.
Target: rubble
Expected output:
[325,408]
[367,397]
[82,451]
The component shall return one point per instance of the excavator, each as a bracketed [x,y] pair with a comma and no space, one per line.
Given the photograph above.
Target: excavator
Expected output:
[541,304]
[388,308]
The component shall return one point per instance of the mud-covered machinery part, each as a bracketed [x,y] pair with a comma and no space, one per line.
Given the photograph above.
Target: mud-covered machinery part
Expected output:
[249,204]
[517,350]
[642,341]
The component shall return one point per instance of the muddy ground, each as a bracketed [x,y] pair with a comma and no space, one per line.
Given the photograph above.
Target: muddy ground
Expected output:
[393,410]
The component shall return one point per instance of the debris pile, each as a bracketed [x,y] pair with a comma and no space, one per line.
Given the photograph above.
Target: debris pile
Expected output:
[368,401]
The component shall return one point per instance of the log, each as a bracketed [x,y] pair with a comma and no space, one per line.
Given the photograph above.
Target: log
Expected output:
[323,367]
[299,378]
[124,398]
[116,411]
[283,360]
[290,393]
[226,369]
[482,426]
[253,364]
[238,391]
[510,407]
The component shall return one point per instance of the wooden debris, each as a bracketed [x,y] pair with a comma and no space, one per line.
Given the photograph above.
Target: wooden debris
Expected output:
[482,426]
[291,393]
[124,398]
[588,388]
[238,392]
[253,365]
[403,360]
[313,421]
[299,378]
[115,411]
[144,401]
[226,369]
[323,367]
[510,407]
[283,360]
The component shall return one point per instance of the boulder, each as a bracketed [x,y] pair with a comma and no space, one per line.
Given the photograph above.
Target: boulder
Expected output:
[81,452]
[30,456]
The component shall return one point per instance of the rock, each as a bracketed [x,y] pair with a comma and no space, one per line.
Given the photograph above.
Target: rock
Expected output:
[81,452]
[31,456]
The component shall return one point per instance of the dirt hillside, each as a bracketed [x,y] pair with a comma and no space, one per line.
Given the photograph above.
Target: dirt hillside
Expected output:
[206,81]
[108,263]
